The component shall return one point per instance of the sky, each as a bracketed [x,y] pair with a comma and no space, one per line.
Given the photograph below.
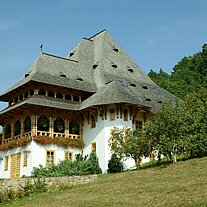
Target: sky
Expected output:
[154,33]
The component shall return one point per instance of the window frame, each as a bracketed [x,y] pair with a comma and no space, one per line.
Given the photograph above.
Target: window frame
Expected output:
[70,157]
[6,162]
[53,157]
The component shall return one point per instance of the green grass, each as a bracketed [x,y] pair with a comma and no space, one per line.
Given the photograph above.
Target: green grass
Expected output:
[184,184]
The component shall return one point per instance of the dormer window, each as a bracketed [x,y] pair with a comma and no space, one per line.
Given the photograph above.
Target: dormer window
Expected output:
[133,85]
[130,70]
[159,102]
[71,54]
[144,87]
[116,49]
[79,79]
[148,99]
[26,75]
[59,95]
[95,66]
[63,75]
[114,66]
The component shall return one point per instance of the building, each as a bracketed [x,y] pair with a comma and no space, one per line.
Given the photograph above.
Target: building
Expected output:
[62,102]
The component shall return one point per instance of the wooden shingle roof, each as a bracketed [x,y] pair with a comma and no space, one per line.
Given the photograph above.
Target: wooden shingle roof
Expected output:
[100,66]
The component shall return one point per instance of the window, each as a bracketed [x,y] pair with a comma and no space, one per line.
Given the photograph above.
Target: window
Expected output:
[139,124]
[93,122]
[74,127]
[43,123]
[125,114]
[6,162]
[69,155]
[112,114]
[130,70]
[50,157]
[95,66]
[25,156]
[27,124]
[93,147]
[116,49]
[41,92]
[114,66]
[8,131]
[133,85]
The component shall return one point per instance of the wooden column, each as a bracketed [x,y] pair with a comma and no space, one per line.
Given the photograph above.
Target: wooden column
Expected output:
[22,126]
[51,126]
[34,125]
[66,127]
[12,130]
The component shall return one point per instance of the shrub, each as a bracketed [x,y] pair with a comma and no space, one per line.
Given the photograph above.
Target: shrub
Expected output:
[81,166]
[114,164]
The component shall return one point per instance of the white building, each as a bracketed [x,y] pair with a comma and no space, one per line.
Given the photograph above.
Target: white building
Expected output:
[62,102]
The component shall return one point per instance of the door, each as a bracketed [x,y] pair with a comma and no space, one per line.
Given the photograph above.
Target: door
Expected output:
[15,165]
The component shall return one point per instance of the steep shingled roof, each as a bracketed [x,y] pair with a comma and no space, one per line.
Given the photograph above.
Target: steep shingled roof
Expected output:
[103,68]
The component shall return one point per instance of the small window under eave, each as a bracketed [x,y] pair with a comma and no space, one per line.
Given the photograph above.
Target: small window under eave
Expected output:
[114,66]
[116,49]
[133,85]
[130,70]
[144,87]
[79,79]
[95,66]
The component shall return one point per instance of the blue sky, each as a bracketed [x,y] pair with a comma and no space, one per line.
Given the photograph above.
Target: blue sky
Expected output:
[155,33]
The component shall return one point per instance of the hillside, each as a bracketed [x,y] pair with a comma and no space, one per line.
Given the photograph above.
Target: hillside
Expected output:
[184,184]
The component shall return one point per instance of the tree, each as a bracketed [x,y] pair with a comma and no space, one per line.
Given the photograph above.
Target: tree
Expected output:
[114,164]
[181,127]
[127,143]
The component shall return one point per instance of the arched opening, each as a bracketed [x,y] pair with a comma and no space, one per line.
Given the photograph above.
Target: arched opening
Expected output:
[74,127]
[17,128]
[43,123]
[75,98]
[21,98]
[59,95]
[16,100]
[51,94]
[27,124]
[26,95]
[42,92]
[31,93]
[8,131]
[68,97]
[59,125]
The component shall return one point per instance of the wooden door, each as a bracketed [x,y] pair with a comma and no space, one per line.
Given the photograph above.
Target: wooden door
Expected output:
[15,165]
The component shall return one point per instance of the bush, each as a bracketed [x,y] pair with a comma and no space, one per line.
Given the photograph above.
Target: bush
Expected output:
[114,164]
[81,166]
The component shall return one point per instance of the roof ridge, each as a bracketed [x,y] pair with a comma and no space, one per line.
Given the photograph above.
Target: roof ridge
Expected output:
[59,57]
[104,30]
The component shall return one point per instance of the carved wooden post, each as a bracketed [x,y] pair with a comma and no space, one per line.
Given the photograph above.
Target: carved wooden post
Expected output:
[34,125]
[66,127]
[22,126]
[12,130]
[51,126]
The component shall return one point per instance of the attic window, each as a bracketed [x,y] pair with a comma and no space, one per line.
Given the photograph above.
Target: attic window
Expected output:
[26,75]
[133,85]
[159,102]
[79,79]
[144,87]
[116,49]
[63,75]
[130,70]
[71,54]
[148,99]
[114,66]
[95,66]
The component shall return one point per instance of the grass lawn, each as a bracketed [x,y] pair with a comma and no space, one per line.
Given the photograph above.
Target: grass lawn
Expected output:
[184,184]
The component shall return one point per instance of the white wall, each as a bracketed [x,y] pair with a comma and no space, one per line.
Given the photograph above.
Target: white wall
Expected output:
[35,158]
